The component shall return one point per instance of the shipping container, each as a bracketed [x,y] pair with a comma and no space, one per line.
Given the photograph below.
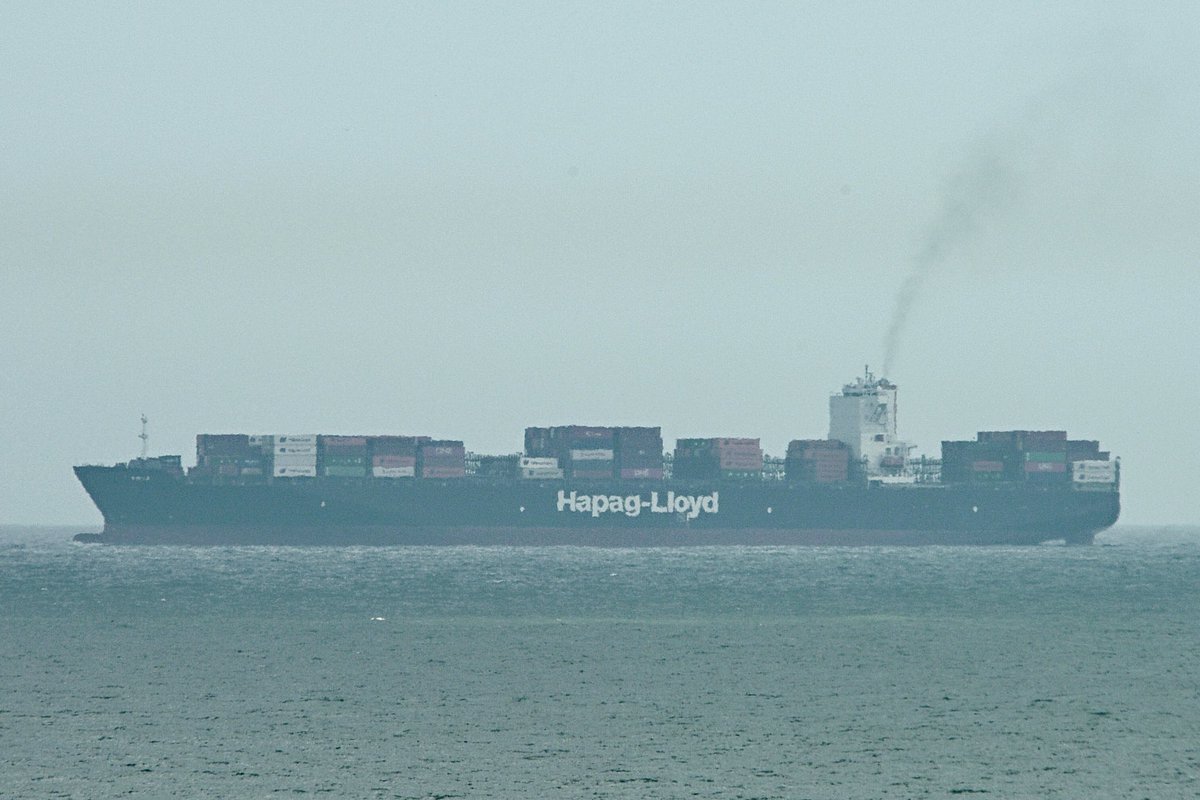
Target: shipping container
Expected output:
[344,471]
[292,457]
[296,439]
[1041,455]
[797,445]
[1033,467]
[284,449]
[443,472]
[730,443]
[1094,478]
[592,455]
[541,473]
[641,473]
[1020,439]
[528,462]
[343,441]
[1094,465]
[221,443]
[539,443]
[385,460]
[393,472]
[289,471]
[395,445]
[295,461]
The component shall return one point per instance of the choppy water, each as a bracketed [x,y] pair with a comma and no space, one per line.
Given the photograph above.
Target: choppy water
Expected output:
[522,673]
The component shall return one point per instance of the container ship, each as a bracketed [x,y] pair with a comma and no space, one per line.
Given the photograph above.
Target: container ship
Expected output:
[617,487]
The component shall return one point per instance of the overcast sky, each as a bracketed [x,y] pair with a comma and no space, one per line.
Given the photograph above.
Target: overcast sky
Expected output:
[463,219]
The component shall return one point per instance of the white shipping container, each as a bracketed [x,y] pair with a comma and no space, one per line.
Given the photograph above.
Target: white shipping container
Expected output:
[542,473]
[295,458]
[297,438]
[1085,477]
[591,455]
[296,450]
[288,471]
[539,463]
[394,472]
[1094,466]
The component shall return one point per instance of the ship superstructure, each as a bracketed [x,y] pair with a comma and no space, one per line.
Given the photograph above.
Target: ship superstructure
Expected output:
[864,417]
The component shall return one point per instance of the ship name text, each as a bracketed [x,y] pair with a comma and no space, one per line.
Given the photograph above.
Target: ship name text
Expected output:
[691,506]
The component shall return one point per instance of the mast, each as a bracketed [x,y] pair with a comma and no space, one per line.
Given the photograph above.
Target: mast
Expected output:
[144,436]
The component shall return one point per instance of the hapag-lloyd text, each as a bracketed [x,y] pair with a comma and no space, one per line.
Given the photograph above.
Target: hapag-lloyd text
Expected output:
[632,505]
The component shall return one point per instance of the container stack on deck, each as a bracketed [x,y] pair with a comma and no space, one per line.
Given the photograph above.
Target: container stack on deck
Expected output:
[443,458]
[593,452]
[718,458]
[342,456]
[817,461]
[586,451]
[295,456]
[394,456]
[1031,456]
[225,455]
[639,453]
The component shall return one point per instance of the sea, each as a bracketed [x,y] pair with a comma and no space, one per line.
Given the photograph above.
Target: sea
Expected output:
[424,672]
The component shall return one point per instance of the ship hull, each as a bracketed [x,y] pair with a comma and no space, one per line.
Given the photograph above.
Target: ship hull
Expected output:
[144,507]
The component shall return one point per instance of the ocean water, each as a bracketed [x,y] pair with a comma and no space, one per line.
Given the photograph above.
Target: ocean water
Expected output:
[1011,672]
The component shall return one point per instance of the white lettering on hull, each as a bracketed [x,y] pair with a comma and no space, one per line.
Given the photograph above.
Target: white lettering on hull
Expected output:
[690,506]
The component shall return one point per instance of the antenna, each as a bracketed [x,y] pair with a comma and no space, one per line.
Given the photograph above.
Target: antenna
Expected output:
[144,436]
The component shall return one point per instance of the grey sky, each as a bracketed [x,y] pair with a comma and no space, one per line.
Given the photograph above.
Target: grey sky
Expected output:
[464,219]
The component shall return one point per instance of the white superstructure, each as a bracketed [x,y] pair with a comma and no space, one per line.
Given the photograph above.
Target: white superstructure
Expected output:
[864,417]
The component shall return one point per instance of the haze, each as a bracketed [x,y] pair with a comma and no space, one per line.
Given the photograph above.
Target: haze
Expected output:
[463,219]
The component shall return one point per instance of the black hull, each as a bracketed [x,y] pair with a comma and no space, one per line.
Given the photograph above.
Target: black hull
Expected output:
[155,508]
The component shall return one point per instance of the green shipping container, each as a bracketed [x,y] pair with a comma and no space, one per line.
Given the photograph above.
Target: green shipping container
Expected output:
[337,471]
[1034,455]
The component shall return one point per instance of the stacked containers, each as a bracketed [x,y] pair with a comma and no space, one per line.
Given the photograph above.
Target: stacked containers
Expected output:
[1044,454]
[442,459]
[295,456]
[539,443]
[394,456]
[1020,440]
[1046,465]
[980,461]
[228,455]
[539,468]
[739,458]
[1034,456]
[696,459]
[718,458]
[342,456]
[1094,473]
[639,453]
[817,461]
[585,451]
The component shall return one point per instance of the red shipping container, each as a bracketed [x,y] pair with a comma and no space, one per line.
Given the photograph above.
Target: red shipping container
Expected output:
[443,472]
[1045,466]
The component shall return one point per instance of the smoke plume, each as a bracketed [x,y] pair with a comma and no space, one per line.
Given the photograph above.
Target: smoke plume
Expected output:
[969,198]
